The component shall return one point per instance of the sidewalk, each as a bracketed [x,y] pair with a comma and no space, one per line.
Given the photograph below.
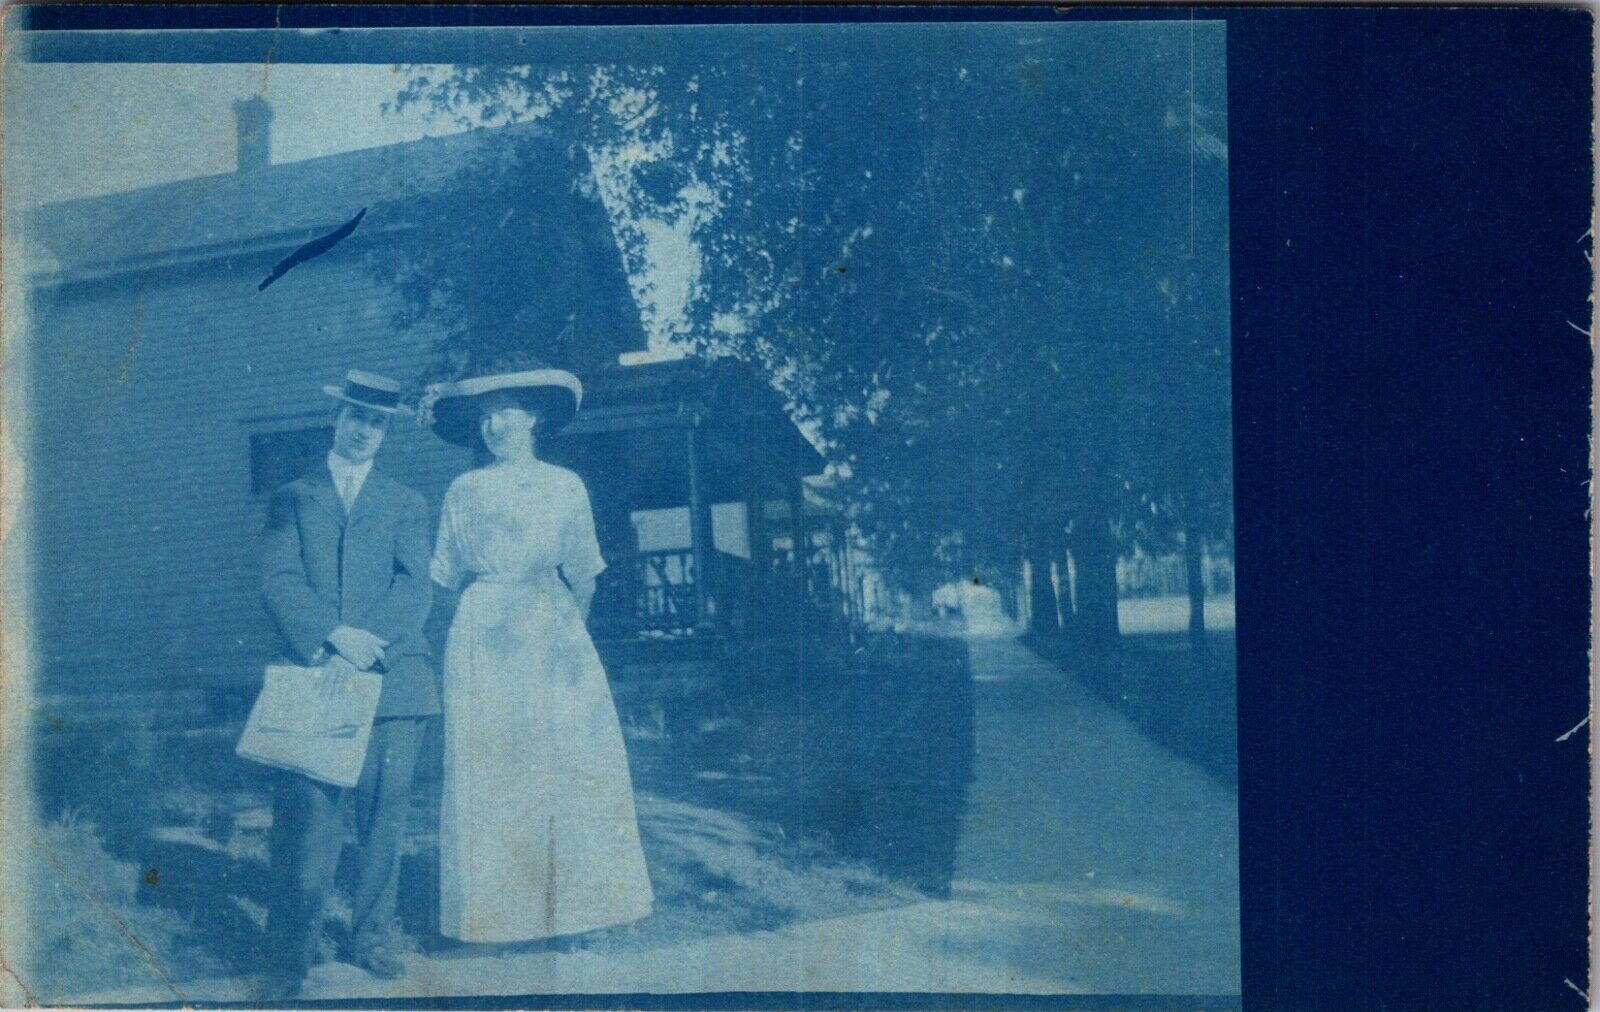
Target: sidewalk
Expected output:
[1089,861]
[1129,854]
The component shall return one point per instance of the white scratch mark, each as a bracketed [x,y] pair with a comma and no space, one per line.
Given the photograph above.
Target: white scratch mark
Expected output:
[1574,731]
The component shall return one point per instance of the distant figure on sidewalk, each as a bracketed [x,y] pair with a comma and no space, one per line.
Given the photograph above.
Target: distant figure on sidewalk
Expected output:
[984,611]
[346,580]
[538,835]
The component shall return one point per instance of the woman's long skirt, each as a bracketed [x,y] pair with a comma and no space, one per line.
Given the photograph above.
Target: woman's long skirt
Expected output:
[538,835]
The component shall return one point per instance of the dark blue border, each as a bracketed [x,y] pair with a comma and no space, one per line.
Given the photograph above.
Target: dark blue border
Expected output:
[1409,188]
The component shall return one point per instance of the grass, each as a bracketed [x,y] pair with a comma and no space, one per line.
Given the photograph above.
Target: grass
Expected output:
[90,924]
[170,808]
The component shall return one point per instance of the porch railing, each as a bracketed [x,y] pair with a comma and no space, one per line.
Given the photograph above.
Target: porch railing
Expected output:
[666,591]
[659,595]
[654,596]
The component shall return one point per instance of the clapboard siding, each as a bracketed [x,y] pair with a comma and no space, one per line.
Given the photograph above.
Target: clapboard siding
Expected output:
[147,390]
[152,358]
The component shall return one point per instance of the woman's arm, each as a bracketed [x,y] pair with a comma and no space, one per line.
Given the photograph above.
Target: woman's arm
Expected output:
[583,590]
[580,551]
[446,569]
[436,631]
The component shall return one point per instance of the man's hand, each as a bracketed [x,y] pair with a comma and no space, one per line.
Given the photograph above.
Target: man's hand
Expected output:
[357,646]
[336,674]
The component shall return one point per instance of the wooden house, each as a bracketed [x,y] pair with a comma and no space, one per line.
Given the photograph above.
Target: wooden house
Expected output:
[169,396]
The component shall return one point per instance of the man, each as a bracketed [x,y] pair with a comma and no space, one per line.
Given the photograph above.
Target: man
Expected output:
[346,580]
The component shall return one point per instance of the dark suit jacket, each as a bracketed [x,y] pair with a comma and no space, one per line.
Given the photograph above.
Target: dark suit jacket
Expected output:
[368,570]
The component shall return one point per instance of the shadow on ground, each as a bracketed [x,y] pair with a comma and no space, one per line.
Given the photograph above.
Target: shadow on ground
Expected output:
[868,761]
[1184,701]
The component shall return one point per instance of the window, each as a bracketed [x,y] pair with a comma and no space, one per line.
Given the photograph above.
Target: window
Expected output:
[664,529]
[277,458]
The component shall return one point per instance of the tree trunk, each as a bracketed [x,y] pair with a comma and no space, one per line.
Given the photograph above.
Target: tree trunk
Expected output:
[1065,566]
[1042,619]
[1193,548]
[1095,553]
[1055,574]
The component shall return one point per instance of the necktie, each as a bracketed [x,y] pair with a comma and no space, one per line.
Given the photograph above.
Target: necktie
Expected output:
[347,482]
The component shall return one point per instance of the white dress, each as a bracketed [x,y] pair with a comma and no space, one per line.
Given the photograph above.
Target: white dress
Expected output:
[538,835]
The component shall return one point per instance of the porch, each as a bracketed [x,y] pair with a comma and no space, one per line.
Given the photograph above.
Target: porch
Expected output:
[695,473]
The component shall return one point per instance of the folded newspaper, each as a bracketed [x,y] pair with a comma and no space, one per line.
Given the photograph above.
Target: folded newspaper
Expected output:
[296,725]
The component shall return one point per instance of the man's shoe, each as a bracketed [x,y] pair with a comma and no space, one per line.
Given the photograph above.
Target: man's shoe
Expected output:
[381,963]
[275,986]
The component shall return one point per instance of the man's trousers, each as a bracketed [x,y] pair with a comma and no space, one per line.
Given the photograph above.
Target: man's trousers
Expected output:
[308,835]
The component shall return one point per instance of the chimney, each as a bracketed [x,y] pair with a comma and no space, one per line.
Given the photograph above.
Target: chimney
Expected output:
[254,120]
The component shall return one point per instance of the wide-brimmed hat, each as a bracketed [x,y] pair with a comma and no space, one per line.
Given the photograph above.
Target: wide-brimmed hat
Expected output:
[380,393]
[452,407]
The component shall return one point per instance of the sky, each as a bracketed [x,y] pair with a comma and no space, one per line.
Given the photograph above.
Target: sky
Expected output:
[83,129]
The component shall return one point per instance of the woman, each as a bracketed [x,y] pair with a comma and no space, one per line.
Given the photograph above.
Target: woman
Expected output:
[538,836]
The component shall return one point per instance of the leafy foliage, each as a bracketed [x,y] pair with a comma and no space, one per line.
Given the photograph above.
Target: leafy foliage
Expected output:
[992,284]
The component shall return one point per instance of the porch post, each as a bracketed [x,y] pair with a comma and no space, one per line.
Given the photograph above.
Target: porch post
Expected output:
[755,522]
[760,604]
[802,544]
[700,539]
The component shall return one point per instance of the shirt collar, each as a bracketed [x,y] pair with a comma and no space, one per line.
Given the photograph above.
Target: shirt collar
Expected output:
[339,467]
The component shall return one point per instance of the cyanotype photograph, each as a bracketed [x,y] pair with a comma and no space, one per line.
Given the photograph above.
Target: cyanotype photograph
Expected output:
[584,512]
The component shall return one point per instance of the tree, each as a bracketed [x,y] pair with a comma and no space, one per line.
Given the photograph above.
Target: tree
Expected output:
[1000,314]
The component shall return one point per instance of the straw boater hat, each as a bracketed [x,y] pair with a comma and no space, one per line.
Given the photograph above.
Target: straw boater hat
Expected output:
[380,393]
[452,407]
